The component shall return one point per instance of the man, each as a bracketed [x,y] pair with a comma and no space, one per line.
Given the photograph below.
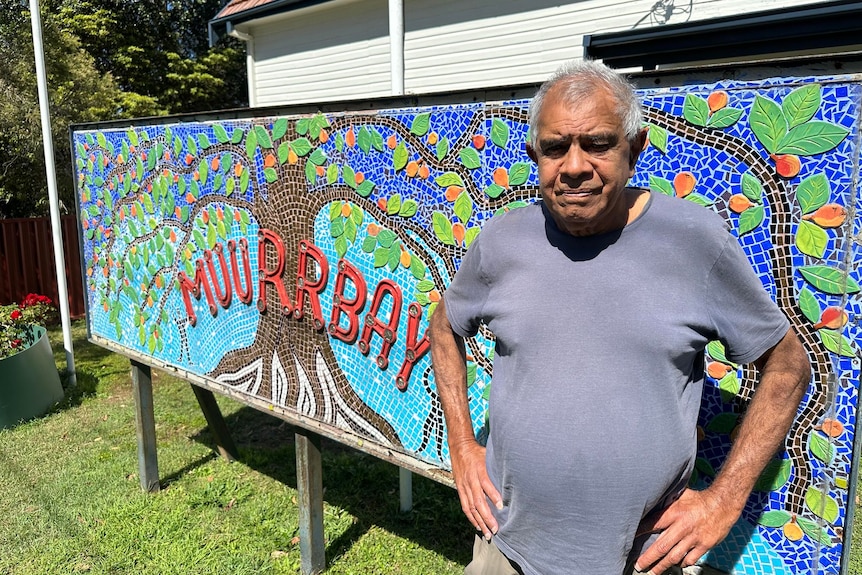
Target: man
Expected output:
[602,299]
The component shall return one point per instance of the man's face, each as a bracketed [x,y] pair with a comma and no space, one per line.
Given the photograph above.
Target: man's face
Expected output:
[584,162]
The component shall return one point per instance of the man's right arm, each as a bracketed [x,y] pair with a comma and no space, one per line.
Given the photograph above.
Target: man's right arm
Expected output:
[448,355]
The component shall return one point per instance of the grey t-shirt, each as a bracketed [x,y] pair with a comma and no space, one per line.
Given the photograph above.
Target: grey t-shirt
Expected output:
[598,369]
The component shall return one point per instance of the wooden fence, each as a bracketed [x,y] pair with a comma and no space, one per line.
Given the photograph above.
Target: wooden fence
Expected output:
[27,261]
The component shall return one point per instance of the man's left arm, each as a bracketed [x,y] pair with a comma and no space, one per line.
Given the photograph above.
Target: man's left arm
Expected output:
[699,520]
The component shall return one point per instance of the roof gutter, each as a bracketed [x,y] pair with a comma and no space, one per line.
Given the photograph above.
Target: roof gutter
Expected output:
[218,27]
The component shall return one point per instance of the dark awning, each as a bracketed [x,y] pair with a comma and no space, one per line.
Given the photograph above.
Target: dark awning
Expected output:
[812,27]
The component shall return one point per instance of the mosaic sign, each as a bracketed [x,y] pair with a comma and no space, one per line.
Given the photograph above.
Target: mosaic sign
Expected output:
[295,260]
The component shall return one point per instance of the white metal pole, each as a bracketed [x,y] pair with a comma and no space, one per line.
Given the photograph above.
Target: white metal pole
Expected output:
[53,196]
[396,59]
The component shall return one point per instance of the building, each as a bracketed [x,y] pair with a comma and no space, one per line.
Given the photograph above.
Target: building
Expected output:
[332,50]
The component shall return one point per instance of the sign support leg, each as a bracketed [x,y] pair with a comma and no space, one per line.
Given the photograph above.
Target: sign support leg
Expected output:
[405,484]
[145,423]
[215,421]
[309,483]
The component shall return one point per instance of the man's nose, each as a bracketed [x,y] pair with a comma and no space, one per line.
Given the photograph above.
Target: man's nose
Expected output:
[576,162]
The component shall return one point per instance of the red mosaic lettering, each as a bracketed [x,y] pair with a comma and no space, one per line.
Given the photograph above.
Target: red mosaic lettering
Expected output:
[244,295]
[187,287]
[225,296]
[349,307]
[308,287]
[388,331]
[272,276]
[415,350]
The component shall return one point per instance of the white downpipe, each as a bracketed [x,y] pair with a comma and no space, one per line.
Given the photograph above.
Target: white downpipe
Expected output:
[396,45]
[249,61]
[53,196]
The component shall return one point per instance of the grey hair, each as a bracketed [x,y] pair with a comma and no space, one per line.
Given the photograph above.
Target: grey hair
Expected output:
[578,80]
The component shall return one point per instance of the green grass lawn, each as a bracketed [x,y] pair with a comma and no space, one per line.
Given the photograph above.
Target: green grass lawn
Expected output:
[71,499]
[72,503]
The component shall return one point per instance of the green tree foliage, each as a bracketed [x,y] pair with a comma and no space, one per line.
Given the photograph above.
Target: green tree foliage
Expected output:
[105,59]
[159,49]
[78,93]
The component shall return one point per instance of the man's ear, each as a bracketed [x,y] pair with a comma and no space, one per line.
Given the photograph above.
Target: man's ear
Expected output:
[531,152]
[638,145]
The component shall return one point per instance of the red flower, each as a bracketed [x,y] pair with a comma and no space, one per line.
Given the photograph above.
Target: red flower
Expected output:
[33,299]
[15,314]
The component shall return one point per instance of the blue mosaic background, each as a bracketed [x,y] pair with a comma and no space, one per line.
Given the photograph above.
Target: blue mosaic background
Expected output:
[400,194]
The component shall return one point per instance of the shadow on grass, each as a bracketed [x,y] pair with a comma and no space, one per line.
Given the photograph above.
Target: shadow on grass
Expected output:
[363,485]
[166,480]
[95,366]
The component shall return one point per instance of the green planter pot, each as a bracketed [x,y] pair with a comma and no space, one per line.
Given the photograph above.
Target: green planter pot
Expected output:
[29,382]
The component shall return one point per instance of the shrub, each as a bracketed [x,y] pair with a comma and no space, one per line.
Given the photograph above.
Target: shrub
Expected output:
[17,322]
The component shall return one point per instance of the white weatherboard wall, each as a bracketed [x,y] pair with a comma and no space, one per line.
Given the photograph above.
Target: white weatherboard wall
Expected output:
[336,51]
[339,50]
[452,44]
